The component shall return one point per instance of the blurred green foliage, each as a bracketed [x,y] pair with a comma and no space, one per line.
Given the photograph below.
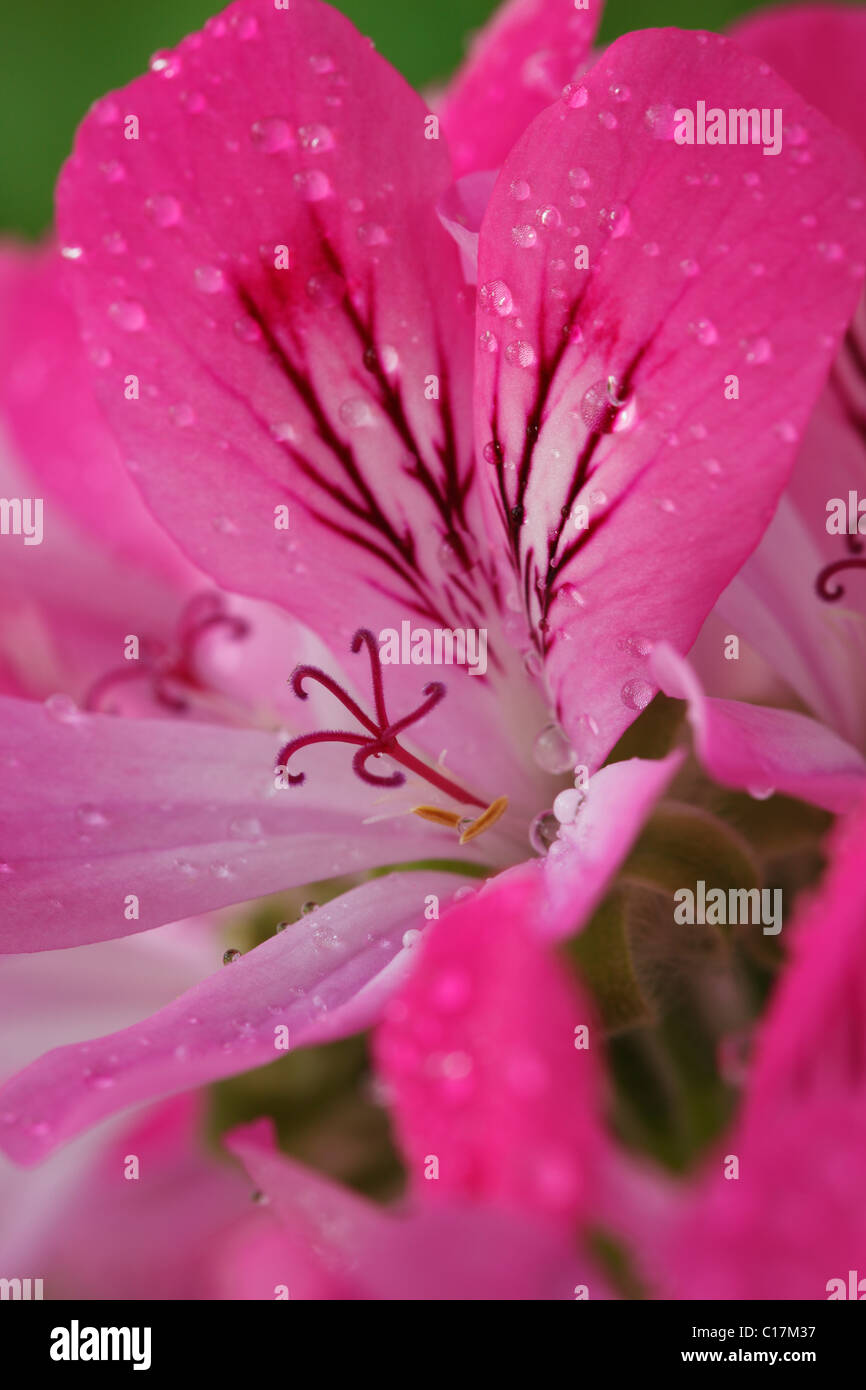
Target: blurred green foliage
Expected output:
[57,56]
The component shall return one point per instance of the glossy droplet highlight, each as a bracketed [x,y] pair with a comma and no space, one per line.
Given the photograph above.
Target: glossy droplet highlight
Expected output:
[543,831]
[272,134]
[128,314]
[552,750]
[495,297]
[636,694]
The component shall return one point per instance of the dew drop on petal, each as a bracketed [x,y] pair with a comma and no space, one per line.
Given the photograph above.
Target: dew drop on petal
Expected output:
[567,805]
[230,956]
[494,297]
[163,209]
[493,452]
[128,314]
[596,408]
[209,279]
[308,906]
[62,708]
[411,938]
[636,694]
[312,184]
[574,95]
[552,750]
[488,341]
[543,831]
[520,190]
[272,134]
[356,413]
[166,63]
[524,235]
[520,353]
[316,137]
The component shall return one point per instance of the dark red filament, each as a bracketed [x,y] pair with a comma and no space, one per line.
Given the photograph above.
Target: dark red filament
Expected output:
[382,734]
[822,583]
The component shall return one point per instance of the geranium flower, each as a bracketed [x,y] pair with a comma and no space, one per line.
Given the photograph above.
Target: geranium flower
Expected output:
[281,336]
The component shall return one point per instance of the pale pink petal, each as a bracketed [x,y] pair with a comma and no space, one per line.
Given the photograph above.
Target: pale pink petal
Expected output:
[113,826]
[582,861]
[604,388]
[518,64]
[324,977]
[493,1097]
[794,1219]
[337,1245]
[764,750]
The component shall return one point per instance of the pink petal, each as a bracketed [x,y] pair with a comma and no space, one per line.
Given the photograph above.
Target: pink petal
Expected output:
[820,50]
[338,387]
[157,1236]
[517,66]
[492,1098]
[764,750]
[794,1220]
[581,863]
[678,482]
[324,977]
[337,1245]
[109,817]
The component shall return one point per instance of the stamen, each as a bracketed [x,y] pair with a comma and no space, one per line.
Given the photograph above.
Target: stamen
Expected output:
[438,815]
[495,811]
[381,737]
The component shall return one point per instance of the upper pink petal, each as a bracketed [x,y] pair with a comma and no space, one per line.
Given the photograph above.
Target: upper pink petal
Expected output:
[762,749]
[604,387]
[517,65]
[494,1096]
[331,378]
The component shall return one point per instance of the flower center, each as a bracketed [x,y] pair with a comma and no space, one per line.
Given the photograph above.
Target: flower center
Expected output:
[382,738]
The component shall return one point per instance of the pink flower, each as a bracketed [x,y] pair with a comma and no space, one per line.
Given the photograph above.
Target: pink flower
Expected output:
[262,260]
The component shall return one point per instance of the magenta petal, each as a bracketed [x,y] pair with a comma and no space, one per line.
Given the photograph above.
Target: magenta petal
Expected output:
[330,1243]
[332,377]
[493,1098]
[517,66]
[764,750]
[322,978]
[116,825]
[794,1221]
[603,388]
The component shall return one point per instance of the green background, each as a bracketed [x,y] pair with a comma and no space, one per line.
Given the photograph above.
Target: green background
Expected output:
[57,56]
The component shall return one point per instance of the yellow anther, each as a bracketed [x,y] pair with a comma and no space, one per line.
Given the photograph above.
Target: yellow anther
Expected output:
[494,811]
[438,815]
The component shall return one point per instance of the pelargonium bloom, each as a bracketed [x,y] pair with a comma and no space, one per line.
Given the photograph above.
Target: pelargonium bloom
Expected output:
[284,346]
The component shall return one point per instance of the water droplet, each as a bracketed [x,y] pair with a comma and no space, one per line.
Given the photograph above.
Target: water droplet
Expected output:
[552,750]
[524,235]
[182,415]
[463,825]
[62,708]
[705,332]
[759,351]
[520,353]
[620,92]
[520,190]
[567,805]
[92,817]
[325,938]
[163,209]
[316,137]
[281,927]
[761,793]
[636,694]
[543,831]
[462,894]
[166,63]
[493,452]
[356,413]
[209,279]
[312,184]
[308,907]
[372,234]
[230,956]
[549,216]
[411,938]
[608,120]
[321,63]
[574,95]
[246,828]
[128,314]
[327,289]
[98,1080]
[597,409]
[494,297]
[488,341]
